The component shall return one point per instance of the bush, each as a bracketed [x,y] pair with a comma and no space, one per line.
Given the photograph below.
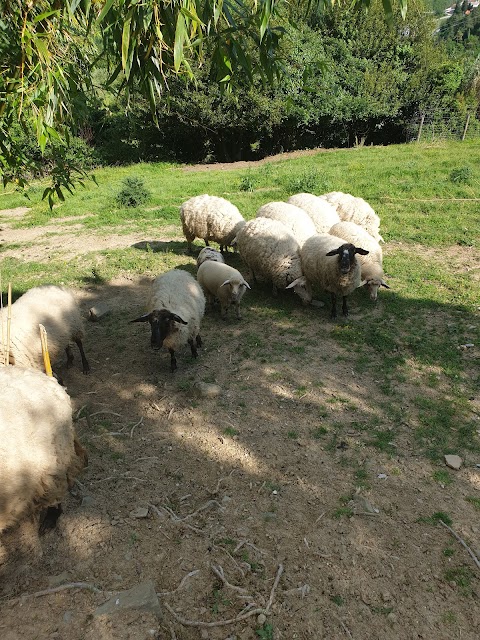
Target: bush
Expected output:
[134,193]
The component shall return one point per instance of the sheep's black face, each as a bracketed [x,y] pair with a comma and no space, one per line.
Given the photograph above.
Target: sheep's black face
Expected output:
[346,255]
[162,323]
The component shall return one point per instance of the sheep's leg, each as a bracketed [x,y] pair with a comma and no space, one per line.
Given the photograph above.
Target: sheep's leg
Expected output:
[198,340]
[224,309]
[207,244]
[333,313]
[344,306]
[49,517]
[86,366]
[193,348]
[173,360]
[69,352]
[237,311]
[274,291]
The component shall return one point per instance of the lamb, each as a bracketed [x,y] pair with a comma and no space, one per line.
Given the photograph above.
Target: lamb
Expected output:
[210,218]
[352,209]
[297,221]
[223,282]
[176,309]
[56,308]
[371,265]
[323,214]
[39,453]
[208,253]
[330,263]
[269,249]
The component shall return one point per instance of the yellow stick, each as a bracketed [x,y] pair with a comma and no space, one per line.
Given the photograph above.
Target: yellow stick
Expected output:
[9,322]
[46,356]
[2,342]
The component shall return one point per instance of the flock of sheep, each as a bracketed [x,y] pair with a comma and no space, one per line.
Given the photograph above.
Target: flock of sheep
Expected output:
[306,242]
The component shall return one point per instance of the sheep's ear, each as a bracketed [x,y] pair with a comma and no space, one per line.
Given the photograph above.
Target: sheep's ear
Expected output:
[334,252]
[384,284]
[362,252]
[246,284]
[224,283]
[145,318]
[302,281]
[177,319]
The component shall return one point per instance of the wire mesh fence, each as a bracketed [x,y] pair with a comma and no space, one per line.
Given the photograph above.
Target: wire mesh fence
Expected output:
[434,126]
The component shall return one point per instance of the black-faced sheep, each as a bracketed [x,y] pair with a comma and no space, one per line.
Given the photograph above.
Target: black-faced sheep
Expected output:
[176,308]
[330,263]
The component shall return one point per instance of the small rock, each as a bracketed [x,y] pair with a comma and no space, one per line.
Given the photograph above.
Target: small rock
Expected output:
[142,596]
[98,311]
[391,617]
[67,617]
[454,462]
[262,618]
[141,512]
[204,634]
[382,476]
[362,505]
[87,501]
[206,390]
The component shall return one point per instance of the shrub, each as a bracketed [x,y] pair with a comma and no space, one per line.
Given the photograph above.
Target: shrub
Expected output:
[133,194]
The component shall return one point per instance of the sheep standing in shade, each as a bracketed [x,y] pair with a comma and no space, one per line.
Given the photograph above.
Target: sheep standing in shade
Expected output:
[352,209]
[177,306]
[39,453]
[330,263]
[323,214]
[210,218]
[371,265]
[224,283]
[297,221]
[56,308]
[268,248]
[208,253]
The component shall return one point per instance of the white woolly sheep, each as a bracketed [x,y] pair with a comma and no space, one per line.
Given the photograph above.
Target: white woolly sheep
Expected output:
[223,282]
[210,218]
[297,221]
[371,265]
[208,253]
[323,214]
[269,249]
[176,309]
[330,263]
[39,453]
[353,209]
[56,308]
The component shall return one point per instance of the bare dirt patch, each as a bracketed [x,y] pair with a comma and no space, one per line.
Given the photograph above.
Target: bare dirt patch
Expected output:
[245,164]
[268,496]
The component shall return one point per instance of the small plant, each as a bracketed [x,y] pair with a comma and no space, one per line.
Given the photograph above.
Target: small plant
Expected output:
[338,600]
[461,175]
[265,632]
[442,477]
[247,183]
[230,431]
[448,552]
[319,432]
[462,577]
[474,501]
[293,435]
[133,193]
[304,183]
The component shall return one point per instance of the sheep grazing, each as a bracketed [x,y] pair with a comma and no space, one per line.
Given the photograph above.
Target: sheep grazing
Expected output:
[208,253]
[222,282]
[323,214]
[269,249]
[352,209]
[177,305]
[371,265]
[39,453]
[330,263]
[210,218]
[297,221]
[56,308]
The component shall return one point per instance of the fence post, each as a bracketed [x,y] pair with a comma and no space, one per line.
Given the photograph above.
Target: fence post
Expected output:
[420,128]
[466,127]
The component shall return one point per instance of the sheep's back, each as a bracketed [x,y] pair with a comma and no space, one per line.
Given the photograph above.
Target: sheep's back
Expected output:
[354,233]
[322,213]
[324,270]
[37,452]
[297,221]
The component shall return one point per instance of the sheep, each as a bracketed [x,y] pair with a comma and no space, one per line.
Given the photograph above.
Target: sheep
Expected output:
[210,218]
[39,453]
[268,248]
[352,209]
[56,308]
[297,221]
[330,263]
[323,214]
[222,282]
[176,309]
[371,265]
[208,253]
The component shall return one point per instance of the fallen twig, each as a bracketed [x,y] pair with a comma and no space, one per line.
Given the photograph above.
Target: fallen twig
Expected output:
[220,480]
[275,584]
[135,426]
[249,544]
[218,623]
[218,571]
[462,542]
[184,579]
[62,587]
[344,627]
[112,413]
[207,505]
